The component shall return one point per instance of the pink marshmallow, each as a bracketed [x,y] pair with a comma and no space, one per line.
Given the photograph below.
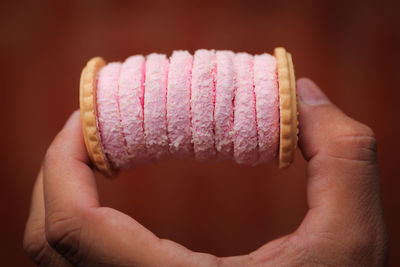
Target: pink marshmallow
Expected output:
[224,94]
[202,103]
[155,117]
[108,116]
[131,92]
[267,106]
[178,104]
[245,125]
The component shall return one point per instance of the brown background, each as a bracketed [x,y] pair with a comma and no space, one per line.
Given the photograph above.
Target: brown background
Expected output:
[350,48]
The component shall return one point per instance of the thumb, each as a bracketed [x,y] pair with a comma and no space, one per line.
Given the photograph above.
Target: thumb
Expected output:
[343,175]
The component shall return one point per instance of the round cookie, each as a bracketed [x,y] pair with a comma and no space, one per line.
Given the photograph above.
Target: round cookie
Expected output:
[288,107]
[87,103]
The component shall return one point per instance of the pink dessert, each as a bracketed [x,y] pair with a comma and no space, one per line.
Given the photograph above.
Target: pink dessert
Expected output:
[267,106]
[213,104]
[245,125]
[131,92]
[178,104]
[224,94]
[202,103]
[155,99]
[109,120]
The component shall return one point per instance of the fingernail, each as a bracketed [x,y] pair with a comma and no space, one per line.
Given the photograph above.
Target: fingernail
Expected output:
[71,118]
[310,93]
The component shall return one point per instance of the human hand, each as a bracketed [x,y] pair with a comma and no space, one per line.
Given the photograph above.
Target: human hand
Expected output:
[344,225]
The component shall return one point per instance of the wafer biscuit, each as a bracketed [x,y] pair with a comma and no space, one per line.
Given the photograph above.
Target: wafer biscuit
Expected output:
[87,100]
[288,107]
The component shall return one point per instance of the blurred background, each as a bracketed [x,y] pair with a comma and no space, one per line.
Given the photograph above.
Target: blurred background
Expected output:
[350,48]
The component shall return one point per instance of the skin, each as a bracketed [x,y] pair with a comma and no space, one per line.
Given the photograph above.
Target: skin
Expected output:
[344,225]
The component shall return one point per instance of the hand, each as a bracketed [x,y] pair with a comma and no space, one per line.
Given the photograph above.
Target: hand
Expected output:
[344,225]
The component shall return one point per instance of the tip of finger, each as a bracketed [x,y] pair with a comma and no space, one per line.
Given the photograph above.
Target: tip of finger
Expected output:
[309,93]
[73,119]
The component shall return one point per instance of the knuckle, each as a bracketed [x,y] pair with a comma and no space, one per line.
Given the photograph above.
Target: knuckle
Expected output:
[366,144]
[63,233]
[356,128]
[355,142]
[39,254]
[35,245]
[32,245]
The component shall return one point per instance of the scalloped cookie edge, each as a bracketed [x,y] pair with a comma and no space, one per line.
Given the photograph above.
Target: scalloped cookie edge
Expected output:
[287,106]
[87,102]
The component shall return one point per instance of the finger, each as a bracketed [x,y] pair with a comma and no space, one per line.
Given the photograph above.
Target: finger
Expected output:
[35,243]
[67,163]
[82,231]
[341,151]
[343,176]
[69,187]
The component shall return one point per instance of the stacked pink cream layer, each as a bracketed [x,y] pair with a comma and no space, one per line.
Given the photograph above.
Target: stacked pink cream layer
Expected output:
[213,105]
